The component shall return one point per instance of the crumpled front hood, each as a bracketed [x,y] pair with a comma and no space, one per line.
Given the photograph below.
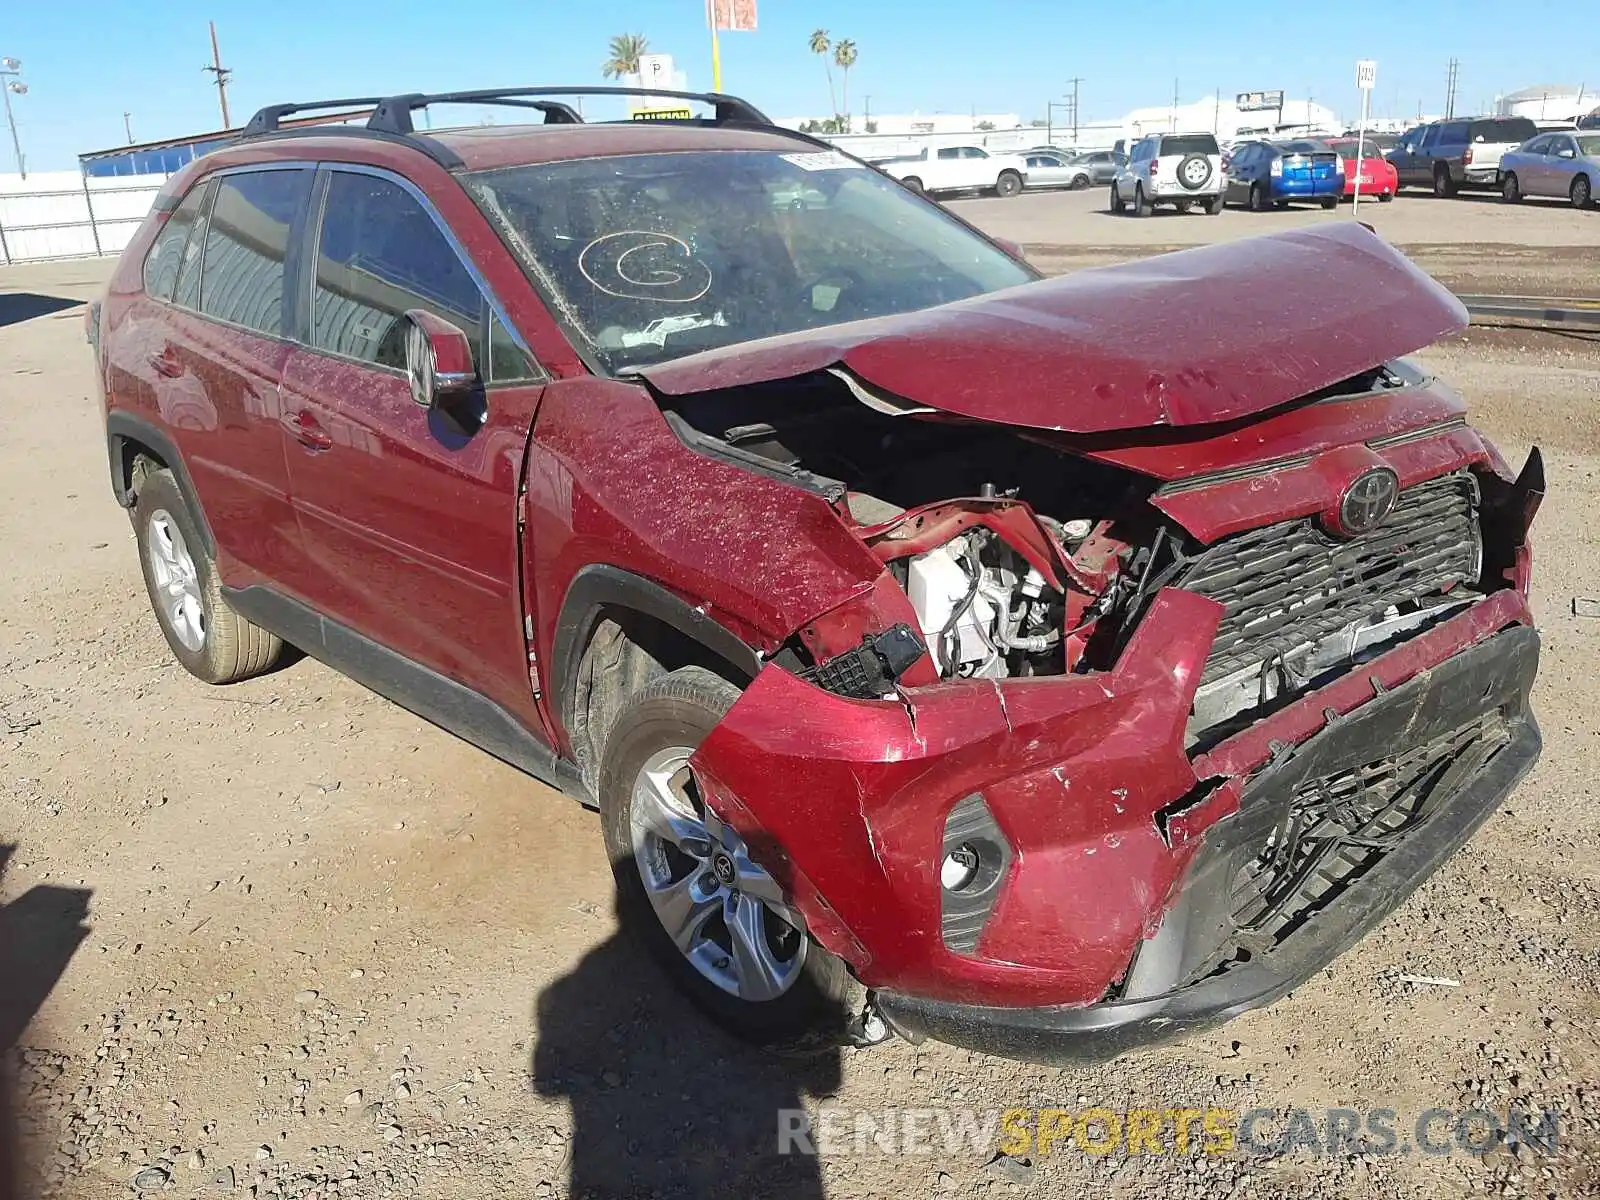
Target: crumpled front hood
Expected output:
[1189,338]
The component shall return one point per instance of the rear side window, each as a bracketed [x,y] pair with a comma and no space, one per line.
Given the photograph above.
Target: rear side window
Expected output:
[1503,129]
[1453,131]
[247,243]
[1189,143]
[166,254]
[379,254]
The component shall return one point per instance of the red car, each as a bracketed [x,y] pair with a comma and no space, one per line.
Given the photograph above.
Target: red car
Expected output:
[1378,176]
[1051,667]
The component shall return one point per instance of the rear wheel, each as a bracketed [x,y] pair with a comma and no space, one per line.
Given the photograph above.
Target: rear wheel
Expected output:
[1118,204]
[1258,198]
[1008,185]
[1330,202]
[213,642]
[1510,188]
[1214,205]
[1079,182]
[690,889]
[1582,192]
[1385,197]
[915,184]
[1141,206]
[1443,186]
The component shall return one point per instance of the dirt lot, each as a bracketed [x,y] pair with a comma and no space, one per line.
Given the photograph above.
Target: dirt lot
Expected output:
[298,942]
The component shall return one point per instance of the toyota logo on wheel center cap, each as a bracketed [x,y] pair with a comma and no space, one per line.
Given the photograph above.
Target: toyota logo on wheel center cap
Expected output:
[1367,501]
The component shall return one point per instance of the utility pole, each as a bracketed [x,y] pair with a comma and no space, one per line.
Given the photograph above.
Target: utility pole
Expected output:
[222,74]
[1450,88]
[127,126]
[1075,81]
[1172,121]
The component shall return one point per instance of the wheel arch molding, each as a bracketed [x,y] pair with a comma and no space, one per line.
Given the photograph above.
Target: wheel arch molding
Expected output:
[126,435]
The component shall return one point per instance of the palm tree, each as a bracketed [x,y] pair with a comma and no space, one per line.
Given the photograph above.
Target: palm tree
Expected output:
[844,56]
[821,45]
[626,50]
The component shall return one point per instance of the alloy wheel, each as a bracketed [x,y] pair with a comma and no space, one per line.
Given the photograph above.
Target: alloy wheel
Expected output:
[723,911]
[177,581]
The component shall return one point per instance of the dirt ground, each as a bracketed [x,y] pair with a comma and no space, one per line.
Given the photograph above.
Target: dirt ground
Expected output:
[293,941]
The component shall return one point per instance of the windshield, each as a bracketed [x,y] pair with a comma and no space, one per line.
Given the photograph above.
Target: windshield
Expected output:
[653,256]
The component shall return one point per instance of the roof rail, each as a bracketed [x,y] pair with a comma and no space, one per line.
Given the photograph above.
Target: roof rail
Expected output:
[393,115]
[266,119]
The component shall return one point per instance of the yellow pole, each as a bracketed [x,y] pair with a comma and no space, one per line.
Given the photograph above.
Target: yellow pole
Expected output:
[716,54]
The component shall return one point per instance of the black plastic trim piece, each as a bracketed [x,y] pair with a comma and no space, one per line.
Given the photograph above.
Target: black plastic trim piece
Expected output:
[1100,1032]
[600,586]
[450,705]
[964,913]
[445,157]
[124,427]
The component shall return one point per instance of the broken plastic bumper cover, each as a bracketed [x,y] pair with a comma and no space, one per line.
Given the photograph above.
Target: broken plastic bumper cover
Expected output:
[1263,907]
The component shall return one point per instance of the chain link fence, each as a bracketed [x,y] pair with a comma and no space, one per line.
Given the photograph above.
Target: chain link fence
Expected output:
[62,214]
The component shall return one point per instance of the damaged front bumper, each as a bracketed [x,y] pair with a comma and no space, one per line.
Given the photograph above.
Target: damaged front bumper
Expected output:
[1466,727]
[1135,894]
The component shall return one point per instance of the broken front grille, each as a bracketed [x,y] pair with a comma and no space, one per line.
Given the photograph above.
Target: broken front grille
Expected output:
[1336,828]
[1291,585]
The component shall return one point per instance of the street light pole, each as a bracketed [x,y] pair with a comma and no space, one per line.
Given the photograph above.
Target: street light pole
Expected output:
[11,82]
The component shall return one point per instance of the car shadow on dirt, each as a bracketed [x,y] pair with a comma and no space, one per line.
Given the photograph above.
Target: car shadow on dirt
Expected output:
[17,307]
[39,932]
[663,1104]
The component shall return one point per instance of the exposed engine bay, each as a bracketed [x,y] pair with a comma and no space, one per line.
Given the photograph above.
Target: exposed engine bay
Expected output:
[1048,560]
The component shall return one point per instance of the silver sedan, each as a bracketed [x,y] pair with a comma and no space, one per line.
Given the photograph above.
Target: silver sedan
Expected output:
[1052,169]
[1565,164]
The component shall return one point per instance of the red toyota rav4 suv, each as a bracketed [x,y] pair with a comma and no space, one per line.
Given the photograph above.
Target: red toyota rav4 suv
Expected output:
[1050,667]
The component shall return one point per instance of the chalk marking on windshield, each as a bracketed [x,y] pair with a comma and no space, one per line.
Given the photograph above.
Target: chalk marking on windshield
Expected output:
[667,272]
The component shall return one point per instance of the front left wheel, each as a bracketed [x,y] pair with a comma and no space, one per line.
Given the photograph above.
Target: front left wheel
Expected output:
[690,890]
[214,643]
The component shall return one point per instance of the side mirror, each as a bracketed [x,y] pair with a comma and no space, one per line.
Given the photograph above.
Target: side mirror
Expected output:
[438,359]
[1010,247]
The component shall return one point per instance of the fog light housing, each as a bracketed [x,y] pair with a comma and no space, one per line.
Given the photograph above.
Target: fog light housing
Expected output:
[975,858]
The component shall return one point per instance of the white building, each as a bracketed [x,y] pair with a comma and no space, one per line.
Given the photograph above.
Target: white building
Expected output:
[909,124]
[1221,116]
[1548,102]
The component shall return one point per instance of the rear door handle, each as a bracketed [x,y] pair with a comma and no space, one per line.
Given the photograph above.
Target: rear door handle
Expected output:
[165,363]
[308,431]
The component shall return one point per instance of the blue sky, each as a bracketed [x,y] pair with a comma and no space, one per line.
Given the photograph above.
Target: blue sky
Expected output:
[86,62]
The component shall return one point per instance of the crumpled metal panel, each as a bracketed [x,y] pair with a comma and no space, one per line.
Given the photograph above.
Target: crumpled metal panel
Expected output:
[1189,338]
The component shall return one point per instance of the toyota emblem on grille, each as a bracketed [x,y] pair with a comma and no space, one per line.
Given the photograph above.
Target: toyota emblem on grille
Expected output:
[1367,501]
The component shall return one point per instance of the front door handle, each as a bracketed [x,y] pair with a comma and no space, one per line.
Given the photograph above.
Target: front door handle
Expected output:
[308,431]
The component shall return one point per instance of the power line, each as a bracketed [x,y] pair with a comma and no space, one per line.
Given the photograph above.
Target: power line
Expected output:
[222,73]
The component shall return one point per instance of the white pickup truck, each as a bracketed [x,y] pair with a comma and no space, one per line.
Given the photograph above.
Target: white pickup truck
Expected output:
[960,169]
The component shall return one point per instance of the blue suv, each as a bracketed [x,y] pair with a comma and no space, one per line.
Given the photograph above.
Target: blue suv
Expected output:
[1275,173]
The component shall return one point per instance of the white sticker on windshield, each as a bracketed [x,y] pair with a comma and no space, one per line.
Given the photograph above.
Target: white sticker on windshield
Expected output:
[822,160]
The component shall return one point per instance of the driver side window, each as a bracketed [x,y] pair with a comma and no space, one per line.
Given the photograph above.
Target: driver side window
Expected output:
[378,254]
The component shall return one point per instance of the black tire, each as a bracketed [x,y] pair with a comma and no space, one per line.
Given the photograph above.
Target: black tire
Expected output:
[914,184]
[1511,188]
[1214,205]
[231,648]
[1280,205]
[1008,185]
[1194,180]
[1258,198]
[1079,183]
[1443,185]
[1141,206]
[1385,197]
[1118,205]
[679,710]
[1330,202]
[1582,192]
